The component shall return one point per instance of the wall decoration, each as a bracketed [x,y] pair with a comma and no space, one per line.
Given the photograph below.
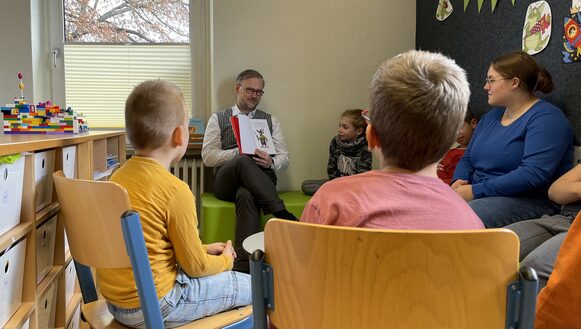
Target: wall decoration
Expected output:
[537,27]
[444,9]
[576,6]
[486,36]
[572,38]
[480,2]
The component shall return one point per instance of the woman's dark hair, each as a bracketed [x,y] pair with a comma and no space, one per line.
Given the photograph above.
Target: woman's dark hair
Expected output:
[523,66]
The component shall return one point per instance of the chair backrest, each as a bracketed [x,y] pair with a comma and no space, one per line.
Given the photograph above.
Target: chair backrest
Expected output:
[341,277]
[91,212]
[104,233]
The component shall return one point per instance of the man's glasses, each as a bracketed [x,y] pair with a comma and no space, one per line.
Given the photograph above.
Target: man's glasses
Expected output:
[365,115]
[490,81]
[250,91]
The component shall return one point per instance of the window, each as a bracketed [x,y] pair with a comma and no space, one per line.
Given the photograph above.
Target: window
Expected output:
[112,45]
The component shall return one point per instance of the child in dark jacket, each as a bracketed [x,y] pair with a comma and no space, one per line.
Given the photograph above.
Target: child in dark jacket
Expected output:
[348,153]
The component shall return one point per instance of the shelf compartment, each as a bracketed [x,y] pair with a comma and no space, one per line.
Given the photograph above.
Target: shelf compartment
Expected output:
[73,311]
[11,279]
[11,186]
[45,242]
[21,317]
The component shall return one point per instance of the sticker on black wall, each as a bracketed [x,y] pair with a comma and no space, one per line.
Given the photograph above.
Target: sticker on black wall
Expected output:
[444,10]
[576,6]
[572,34]
[537,27]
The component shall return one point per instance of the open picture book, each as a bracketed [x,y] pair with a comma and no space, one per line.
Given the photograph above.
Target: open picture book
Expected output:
[252,134]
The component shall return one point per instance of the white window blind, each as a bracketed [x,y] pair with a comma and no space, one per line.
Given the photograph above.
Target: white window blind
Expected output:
[98,78]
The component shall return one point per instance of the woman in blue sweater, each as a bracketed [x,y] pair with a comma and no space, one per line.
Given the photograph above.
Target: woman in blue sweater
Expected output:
[518,149]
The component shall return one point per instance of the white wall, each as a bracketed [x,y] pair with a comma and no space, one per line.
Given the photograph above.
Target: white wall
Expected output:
[15,49]
[317,58]
[24,48]
[41,52]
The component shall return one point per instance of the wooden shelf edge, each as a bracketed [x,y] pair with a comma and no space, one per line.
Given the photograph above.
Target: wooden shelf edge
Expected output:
[15,233]
[48,280]
[22,314]
[18,143]
[72,307]
[47,212]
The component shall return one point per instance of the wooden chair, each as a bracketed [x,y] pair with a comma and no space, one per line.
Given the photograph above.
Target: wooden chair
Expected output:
[104,233]
[315,276]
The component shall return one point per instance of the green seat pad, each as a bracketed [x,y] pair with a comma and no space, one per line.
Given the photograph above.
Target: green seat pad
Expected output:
[218,219]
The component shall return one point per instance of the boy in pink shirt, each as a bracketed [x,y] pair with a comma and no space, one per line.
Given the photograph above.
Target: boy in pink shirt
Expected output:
[417,105]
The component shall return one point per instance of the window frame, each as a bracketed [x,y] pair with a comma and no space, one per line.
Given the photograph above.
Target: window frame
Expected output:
[200,50]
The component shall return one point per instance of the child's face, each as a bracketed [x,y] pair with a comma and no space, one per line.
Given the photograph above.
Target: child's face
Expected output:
[347,132]
[465,133]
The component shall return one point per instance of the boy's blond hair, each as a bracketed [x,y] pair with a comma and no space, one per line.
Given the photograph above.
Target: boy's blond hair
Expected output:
[152,111]
[417,105]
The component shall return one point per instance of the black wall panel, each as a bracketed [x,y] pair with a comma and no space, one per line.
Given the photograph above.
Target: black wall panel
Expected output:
[474,40]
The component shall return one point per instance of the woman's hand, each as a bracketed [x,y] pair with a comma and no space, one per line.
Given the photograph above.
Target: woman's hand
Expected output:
[459,182]
[465,192]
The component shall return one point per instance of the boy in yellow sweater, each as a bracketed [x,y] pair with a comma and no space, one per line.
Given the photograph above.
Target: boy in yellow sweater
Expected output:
[192,280]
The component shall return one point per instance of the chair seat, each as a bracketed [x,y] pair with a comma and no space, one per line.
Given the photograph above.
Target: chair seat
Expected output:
[97,314]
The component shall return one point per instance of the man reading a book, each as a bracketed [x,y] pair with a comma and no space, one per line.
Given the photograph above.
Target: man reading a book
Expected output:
[249,180]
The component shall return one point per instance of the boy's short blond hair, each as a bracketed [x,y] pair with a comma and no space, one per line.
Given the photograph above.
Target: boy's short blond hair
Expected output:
[152,111]
[417,105]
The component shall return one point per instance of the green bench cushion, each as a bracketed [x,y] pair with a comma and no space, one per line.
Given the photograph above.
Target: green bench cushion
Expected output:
[218,220]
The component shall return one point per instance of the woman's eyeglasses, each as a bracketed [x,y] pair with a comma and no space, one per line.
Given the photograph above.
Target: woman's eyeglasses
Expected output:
[490,81]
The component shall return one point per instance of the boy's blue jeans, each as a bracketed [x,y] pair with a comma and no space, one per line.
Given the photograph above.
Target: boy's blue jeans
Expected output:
[193,298]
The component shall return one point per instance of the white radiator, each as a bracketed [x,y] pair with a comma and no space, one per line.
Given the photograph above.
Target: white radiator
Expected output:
[191,171]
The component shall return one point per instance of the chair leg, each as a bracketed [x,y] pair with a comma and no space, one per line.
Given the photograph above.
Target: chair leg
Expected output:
[258,290]
[529,286]
[86,282]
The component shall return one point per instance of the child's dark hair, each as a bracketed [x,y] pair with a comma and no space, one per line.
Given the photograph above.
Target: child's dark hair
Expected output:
[469,116]
[355,117]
